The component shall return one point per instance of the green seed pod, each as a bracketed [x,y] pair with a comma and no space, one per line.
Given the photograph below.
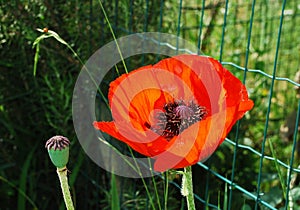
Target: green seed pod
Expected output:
[58,149]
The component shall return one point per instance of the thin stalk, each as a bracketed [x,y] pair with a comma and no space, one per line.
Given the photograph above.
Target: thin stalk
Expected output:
[113,34]
[188,183]
[155,188]
[143,180]
[62,175]
[166,188]
[53,34]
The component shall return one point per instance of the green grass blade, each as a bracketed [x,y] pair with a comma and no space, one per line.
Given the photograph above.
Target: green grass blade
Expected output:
[166,190]
[22,181]
[143,180]
[156,191]
[36,58]
[113,34]
[53,34]
[115,203]
[225,205]
[133,166]
[283,186]
[20,192]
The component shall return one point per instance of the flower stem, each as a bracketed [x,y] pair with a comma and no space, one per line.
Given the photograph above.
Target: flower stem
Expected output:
[189,186]
[62,175]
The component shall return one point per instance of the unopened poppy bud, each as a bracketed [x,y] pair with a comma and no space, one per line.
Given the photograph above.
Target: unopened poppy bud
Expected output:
[58,149]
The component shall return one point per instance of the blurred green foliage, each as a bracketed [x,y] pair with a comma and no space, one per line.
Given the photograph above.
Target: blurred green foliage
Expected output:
[34,108]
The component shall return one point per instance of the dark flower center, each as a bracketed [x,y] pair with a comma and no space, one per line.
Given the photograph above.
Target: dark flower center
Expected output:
[176,117]
[57,142]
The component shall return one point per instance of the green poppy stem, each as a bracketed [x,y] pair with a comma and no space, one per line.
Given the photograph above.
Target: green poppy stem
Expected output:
[187,186]
[62,175]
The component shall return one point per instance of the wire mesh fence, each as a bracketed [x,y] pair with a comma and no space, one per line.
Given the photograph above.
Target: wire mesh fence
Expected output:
[257,167]
[259,42]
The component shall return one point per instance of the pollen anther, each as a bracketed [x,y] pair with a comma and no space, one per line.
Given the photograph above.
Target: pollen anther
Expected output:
[176,117]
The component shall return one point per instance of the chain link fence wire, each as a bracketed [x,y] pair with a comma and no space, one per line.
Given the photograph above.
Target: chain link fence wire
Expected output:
[259,42]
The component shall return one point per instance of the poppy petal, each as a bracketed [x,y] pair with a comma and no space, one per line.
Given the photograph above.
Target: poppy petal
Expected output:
[148,149]
[185,67]
[147,86]
[194,144]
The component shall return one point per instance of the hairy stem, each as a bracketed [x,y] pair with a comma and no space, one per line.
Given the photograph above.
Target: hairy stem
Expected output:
[62,175]
[188,185]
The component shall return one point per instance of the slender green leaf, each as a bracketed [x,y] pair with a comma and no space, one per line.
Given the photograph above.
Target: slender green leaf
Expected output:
[20,192]
[23,179]
[115,203]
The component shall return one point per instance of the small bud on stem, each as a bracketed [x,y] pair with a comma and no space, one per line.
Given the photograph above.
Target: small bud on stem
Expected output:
[58,149]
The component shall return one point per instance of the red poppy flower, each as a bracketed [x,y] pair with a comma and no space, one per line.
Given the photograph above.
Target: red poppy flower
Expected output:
[177,111]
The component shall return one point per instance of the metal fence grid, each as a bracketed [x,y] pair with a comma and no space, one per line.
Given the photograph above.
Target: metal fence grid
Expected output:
[258,41]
